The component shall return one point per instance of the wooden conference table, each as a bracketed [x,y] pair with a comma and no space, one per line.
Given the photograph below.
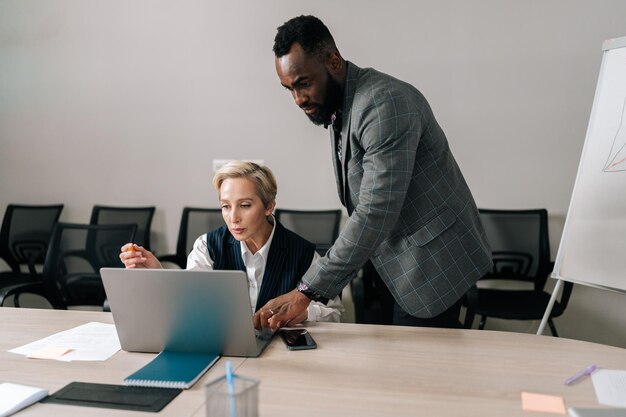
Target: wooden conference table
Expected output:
[357,370]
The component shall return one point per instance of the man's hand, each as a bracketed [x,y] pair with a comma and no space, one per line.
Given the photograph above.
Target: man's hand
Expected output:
[288,309]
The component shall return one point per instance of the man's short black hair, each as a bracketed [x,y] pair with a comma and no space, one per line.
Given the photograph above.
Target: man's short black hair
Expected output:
[310,32]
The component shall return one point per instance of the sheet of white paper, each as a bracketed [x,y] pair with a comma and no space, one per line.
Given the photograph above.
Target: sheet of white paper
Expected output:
[89,342]
[610,386]
[14,397]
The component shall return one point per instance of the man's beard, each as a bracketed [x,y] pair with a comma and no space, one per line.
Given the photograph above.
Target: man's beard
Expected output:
[332,102]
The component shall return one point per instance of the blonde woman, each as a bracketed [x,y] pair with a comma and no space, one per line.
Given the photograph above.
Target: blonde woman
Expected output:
[273,257]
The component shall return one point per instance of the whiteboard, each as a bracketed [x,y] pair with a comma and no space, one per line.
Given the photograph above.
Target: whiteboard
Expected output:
[593,247]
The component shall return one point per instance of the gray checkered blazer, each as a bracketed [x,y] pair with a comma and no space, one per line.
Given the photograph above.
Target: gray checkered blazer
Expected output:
[411,211]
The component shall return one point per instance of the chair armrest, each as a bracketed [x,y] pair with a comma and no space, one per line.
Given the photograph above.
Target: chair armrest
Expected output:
[14,267]
[81,254]
[174,259]
[17,289]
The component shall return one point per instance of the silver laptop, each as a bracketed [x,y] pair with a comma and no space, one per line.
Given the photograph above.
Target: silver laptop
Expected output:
[183,311]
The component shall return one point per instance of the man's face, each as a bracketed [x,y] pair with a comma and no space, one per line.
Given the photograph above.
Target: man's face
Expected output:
[312,86]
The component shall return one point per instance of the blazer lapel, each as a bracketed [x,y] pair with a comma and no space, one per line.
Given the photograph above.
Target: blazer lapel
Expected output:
[352,77]
[338,165]
[345,146]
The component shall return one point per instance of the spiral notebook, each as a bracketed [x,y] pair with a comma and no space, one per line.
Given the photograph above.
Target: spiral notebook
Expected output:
[172,370]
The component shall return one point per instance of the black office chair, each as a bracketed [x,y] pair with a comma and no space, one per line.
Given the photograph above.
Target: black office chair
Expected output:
[320,227]
[24,239]
[141,216]
[194,222]
[521,252]
[71,271]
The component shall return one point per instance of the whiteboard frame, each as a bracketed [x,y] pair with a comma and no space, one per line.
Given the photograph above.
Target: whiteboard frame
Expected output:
[607,45]
[614,43]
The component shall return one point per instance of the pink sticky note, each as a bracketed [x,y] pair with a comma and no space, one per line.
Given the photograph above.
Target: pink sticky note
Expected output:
[50,352]
[543,403]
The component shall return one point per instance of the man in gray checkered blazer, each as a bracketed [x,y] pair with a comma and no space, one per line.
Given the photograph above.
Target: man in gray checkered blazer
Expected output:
[411,211]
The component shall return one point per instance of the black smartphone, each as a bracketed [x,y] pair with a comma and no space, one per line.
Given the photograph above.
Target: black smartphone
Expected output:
[297,339]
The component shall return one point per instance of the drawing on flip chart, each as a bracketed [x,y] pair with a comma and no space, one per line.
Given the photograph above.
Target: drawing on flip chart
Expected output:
[616,160]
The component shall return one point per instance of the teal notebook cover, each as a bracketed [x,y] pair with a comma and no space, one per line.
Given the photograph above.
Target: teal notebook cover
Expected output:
[172,370]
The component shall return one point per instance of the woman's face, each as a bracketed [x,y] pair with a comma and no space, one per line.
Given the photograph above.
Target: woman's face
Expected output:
[243,210]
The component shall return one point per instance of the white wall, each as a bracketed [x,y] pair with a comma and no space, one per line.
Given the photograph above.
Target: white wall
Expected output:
[128,102]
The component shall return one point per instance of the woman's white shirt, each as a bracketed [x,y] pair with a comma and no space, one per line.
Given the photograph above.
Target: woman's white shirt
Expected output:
[199,259]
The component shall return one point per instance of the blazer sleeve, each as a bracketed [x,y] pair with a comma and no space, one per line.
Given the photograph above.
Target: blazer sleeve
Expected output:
[388,132]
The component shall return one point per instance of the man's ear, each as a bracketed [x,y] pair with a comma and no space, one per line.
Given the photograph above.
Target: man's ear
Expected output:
[334,63]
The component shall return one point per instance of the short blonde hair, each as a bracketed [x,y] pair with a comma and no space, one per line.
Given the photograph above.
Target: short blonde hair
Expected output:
[261,176]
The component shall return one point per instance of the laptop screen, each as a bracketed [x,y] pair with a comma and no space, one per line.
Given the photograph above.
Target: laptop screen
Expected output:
[184,311]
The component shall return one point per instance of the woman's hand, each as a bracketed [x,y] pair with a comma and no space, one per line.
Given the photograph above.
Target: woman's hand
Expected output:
[135,256]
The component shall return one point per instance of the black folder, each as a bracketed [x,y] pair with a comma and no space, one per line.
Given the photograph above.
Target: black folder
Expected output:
[120,397]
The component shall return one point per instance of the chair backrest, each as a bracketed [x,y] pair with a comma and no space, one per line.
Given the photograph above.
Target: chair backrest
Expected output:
[519,243]
[141,216]
[320,227]
[194,222]
[25,233]
[71,272]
